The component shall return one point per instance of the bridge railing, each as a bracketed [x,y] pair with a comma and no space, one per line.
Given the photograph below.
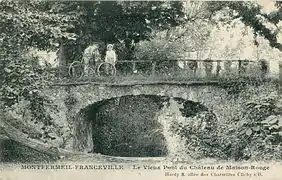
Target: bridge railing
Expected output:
[190,67]
[179,69]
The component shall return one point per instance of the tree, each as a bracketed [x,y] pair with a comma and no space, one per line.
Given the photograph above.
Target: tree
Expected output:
[44,25]
[47,24]
[23,25]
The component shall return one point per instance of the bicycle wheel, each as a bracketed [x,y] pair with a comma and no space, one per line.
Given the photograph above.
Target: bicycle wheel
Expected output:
[106,69]
[76,69]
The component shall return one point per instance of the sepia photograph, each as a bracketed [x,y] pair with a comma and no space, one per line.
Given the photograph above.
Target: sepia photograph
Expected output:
[140,89]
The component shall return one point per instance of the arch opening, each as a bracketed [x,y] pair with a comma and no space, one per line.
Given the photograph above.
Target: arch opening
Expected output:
[135,126]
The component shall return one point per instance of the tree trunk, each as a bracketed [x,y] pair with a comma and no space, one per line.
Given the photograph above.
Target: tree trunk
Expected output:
[280,77]
[61,56]
[15,135]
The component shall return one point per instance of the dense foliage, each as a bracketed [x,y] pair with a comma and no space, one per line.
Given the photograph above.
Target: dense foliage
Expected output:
[252,131]
[163,30]
[25,24]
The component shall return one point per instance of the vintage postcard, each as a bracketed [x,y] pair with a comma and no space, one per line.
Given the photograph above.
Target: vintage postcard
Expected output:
[121,90]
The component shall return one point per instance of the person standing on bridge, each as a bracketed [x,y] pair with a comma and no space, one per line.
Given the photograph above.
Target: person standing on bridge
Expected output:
[91,56]
[111,57]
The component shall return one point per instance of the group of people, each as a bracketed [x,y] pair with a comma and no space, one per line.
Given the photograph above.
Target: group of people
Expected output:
[92,56]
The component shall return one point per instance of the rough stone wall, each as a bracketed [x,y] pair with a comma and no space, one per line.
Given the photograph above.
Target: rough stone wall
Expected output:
[74,99]
[86,95]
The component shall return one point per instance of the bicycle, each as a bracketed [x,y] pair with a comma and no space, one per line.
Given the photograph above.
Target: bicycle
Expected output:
[77,69]
[106,69]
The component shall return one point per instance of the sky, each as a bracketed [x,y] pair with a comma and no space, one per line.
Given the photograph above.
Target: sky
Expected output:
[268,6]
[228,43]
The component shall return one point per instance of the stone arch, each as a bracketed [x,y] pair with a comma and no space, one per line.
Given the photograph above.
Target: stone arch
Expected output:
[83,124]
[84,95]
[207,95]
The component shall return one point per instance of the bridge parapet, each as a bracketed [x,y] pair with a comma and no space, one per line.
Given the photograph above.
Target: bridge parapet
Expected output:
[177,70]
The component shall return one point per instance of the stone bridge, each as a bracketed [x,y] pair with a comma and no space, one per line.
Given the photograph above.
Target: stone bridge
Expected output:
[78,97]
[74,99]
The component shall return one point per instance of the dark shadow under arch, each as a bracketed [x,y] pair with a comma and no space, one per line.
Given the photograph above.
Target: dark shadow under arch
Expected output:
[126,126]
